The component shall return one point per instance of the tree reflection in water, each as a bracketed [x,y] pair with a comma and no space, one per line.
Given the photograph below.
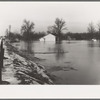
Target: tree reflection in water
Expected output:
[59,51]
[99,43]
[94,43]
[91,43]
[29,46]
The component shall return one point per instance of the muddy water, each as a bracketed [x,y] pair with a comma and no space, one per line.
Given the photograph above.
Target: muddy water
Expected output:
[77,62]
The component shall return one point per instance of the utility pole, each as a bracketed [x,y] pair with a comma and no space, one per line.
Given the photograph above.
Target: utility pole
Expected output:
[9,28]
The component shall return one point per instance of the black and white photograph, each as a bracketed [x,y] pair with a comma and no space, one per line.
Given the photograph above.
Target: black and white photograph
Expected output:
[49,43]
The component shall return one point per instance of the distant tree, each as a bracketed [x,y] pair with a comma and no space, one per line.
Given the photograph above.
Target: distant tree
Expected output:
[58,28]
[50,30]
[38,35]
[98,27]
[27,30]
[91,30]
[10,35]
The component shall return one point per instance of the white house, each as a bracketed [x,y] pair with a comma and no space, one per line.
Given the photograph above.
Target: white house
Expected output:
[48,37]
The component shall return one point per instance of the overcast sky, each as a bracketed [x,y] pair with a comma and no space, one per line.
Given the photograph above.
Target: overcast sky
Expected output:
[76,14]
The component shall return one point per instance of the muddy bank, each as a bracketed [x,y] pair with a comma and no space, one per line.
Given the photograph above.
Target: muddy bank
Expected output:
[19,68]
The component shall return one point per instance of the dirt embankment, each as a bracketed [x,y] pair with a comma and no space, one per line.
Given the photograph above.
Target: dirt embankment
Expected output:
[20,68]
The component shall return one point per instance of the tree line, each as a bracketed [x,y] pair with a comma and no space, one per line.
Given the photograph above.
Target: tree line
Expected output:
[59,29]
[27,33]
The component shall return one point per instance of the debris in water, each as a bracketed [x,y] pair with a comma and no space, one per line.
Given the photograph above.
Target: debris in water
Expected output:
[58,68]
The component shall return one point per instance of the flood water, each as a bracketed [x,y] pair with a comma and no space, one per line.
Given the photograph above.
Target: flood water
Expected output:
[77,62]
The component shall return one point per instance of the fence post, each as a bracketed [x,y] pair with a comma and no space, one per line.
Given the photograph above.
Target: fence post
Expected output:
[1,60]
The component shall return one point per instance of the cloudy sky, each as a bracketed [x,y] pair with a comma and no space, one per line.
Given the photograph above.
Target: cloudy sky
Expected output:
[76,14]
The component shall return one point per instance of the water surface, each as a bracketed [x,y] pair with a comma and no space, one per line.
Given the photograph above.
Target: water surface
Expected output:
[77,62]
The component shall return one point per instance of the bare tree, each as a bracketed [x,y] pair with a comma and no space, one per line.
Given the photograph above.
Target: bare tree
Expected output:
[58,28]
[91,30]
[51,30]
[98,27]
[27,29]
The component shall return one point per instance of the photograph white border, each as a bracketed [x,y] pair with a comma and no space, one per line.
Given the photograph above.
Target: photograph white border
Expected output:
[49,91]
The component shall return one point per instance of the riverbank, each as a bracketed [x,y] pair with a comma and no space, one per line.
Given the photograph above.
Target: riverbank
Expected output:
[19,68]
